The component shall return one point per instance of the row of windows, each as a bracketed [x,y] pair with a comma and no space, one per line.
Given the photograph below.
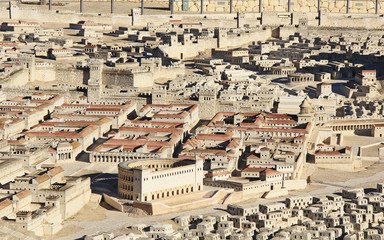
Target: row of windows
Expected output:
[172,174]
[127,178]
[171,193]
[339,157]
[127,187]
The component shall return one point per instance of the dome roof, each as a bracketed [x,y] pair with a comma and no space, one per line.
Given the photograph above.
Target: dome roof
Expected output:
[305,104]
[306,107]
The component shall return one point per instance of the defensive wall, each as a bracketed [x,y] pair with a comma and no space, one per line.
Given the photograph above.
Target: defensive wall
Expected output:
[333,6]
[221,6]
[269,16]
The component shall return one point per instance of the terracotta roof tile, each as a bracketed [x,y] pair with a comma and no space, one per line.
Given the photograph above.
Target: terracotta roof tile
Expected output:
[5,203]
[23,194]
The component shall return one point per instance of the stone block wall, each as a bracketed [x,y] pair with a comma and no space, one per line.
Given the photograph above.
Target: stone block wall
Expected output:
[332,6]
[304,5]
[275,5]
[162,2]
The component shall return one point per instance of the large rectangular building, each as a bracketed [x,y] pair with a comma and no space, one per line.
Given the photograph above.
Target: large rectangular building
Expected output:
[149,180]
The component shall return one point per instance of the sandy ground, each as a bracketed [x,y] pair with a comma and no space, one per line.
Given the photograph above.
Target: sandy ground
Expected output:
[94,218]
[373,174]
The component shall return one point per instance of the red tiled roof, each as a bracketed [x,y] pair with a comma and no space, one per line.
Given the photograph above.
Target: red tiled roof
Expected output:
[328,153]
[276,115]
[253,169]
[213,137]
[270,172]
[23,194]
[56,170]
[42,178]
[5,203]
[144,129]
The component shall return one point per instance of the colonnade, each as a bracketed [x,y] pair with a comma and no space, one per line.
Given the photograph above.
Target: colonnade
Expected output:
[352,127]
[63,156]
[126,191]
[117,158]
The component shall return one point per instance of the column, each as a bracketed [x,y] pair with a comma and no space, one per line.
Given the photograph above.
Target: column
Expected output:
[50,5]
[260,7]
[230,6]
[348,6]
[376,6]
[142,7]
[289,5]
[111,6]
[202,6]
[81,6]
[172,6]
[318,5]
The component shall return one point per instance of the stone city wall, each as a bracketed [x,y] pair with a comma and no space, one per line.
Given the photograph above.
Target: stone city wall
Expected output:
[118,78]
[18,78]
[332,14]
[162,2]
[334,6]
[69,76]
[45,74]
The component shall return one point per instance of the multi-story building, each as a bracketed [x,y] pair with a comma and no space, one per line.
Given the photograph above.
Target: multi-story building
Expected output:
[154,179]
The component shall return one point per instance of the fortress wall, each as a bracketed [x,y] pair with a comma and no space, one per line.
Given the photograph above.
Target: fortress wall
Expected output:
[18,78]
[162,2]
[189,50]
[327,18]
[45,74]
[274,13]
[70,76]
[123,78]
[143,79]
[333,6]
[76,204]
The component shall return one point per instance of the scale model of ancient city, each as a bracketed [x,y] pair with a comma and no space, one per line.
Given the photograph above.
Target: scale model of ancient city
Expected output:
[192,119]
